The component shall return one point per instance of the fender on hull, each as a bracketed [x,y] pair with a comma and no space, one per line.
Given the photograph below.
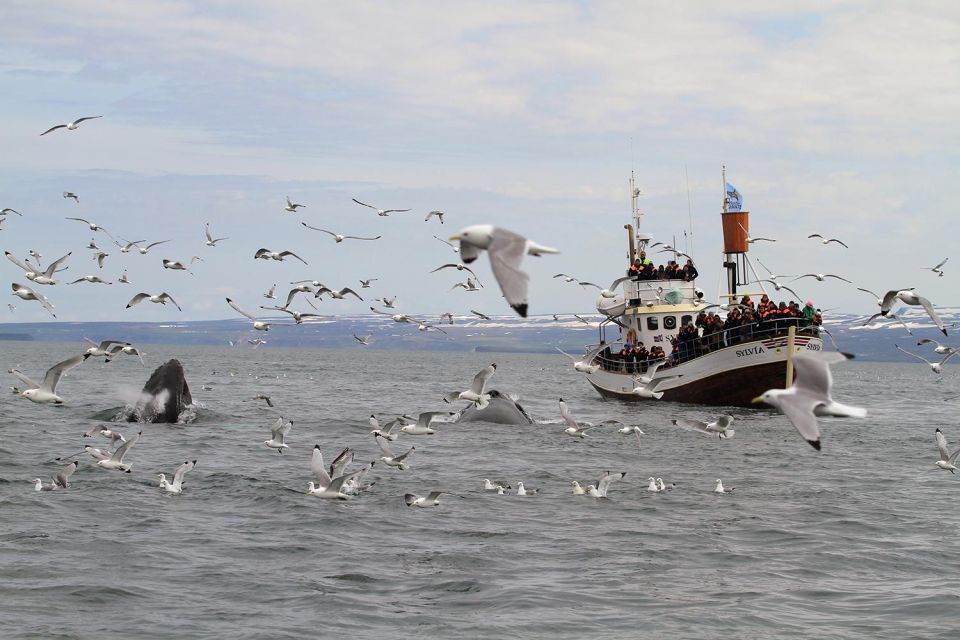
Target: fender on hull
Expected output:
[501,410]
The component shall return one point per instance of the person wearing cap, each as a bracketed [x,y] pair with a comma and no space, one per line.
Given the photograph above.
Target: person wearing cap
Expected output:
[809,311]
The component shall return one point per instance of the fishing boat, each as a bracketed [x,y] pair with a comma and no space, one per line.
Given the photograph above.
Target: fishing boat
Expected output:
[728,367]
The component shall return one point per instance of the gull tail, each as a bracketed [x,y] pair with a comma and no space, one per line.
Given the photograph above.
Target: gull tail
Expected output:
[535,249]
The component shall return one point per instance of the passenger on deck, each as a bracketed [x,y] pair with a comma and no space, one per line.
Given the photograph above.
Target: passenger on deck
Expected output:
[635,269]
[691,270]
[626,354]
[640,356]
[809,312]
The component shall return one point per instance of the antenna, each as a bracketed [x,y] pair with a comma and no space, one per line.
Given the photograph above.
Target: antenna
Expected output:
[688,245]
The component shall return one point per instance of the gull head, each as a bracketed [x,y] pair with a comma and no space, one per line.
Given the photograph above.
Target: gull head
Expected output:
[478,235]
[769,397]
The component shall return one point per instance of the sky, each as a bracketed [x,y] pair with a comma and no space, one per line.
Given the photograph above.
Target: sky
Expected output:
[836,118]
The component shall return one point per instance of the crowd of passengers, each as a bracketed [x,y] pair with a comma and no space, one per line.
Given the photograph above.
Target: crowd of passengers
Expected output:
[643,269]
[709,332]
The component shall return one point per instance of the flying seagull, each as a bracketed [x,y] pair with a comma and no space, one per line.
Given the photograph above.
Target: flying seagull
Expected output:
[380,212]
[292,206]
[437,213]
[160,298]
[339,237]
[26,293]
[70,126]
[46,391]
[937,269]
[809,397]
[934,366]
[259,325]
[475,393]
[211,241]
[827,240]
[267,254]
[506,250]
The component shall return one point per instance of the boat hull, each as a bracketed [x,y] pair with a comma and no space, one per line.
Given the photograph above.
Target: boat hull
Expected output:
[731,376]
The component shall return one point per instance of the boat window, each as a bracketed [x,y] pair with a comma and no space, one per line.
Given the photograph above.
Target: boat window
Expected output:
[669,322]
[685,320]
[653,323]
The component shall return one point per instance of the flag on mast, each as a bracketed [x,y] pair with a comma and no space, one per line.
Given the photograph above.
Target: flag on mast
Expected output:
[734,199]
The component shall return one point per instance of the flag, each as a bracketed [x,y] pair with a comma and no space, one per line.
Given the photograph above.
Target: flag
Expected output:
[734,201]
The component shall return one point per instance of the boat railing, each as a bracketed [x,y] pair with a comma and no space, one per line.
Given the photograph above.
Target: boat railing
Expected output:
[700,345]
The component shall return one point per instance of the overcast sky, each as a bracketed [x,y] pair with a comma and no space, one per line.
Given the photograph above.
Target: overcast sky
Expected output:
[838,118]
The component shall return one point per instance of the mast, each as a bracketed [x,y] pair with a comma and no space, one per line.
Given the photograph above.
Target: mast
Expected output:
[635,205]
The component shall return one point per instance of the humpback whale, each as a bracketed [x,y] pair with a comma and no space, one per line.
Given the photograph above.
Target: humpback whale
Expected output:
[501,410]
[164,396]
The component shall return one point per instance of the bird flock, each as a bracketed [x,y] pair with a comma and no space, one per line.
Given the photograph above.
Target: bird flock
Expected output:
[805,401]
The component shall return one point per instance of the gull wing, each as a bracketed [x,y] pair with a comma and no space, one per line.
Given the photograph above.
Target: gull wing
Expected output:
[888,300]
[206,230]
[280,429]
[616,283]
[318,468]
[290,296]
[813,371]
[724,421]
[122,449]
[404,456]
[567,417]
[317,228]
[347,290]
[341,462]
[384,447]
[137,299]
[96,453]
[830,275]
[62,478]
[942,446]
[170,298]
[425,418]
[236,308]
[365,204]
[56,372]
[181,470]
[799,407]
[480,380]
[606,479]
[868,291]
[79,120]
[283,254]
[948,356]
[590,284]
[565,353]
[838,242]
[24,379]
[20,263]
[932,313]
[696,425]
[59,126]
[506,253]
[362,238]
[337,483]
[918,357]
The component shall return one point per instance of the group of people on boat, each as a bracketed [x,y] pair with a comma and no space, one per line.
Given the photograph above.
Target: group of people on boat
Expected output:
[710,331]
[644,269]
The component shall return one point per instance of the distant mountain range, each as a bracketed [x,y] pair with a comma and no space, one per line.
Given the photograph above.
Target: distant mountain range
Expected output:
[468,333]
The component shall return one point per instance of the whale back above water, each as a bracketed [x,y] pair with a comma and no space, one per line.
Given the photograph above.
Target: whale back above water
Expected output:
[500,410]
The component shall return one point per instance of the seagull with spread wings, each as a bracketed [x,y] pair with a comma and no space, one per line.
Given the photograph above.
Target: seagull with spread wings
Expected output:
[70,126]
[381,212]
[339,237]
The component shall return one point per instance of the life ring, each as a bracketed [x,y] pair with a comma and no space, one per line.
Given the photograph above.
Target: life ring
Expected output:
[632,336]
